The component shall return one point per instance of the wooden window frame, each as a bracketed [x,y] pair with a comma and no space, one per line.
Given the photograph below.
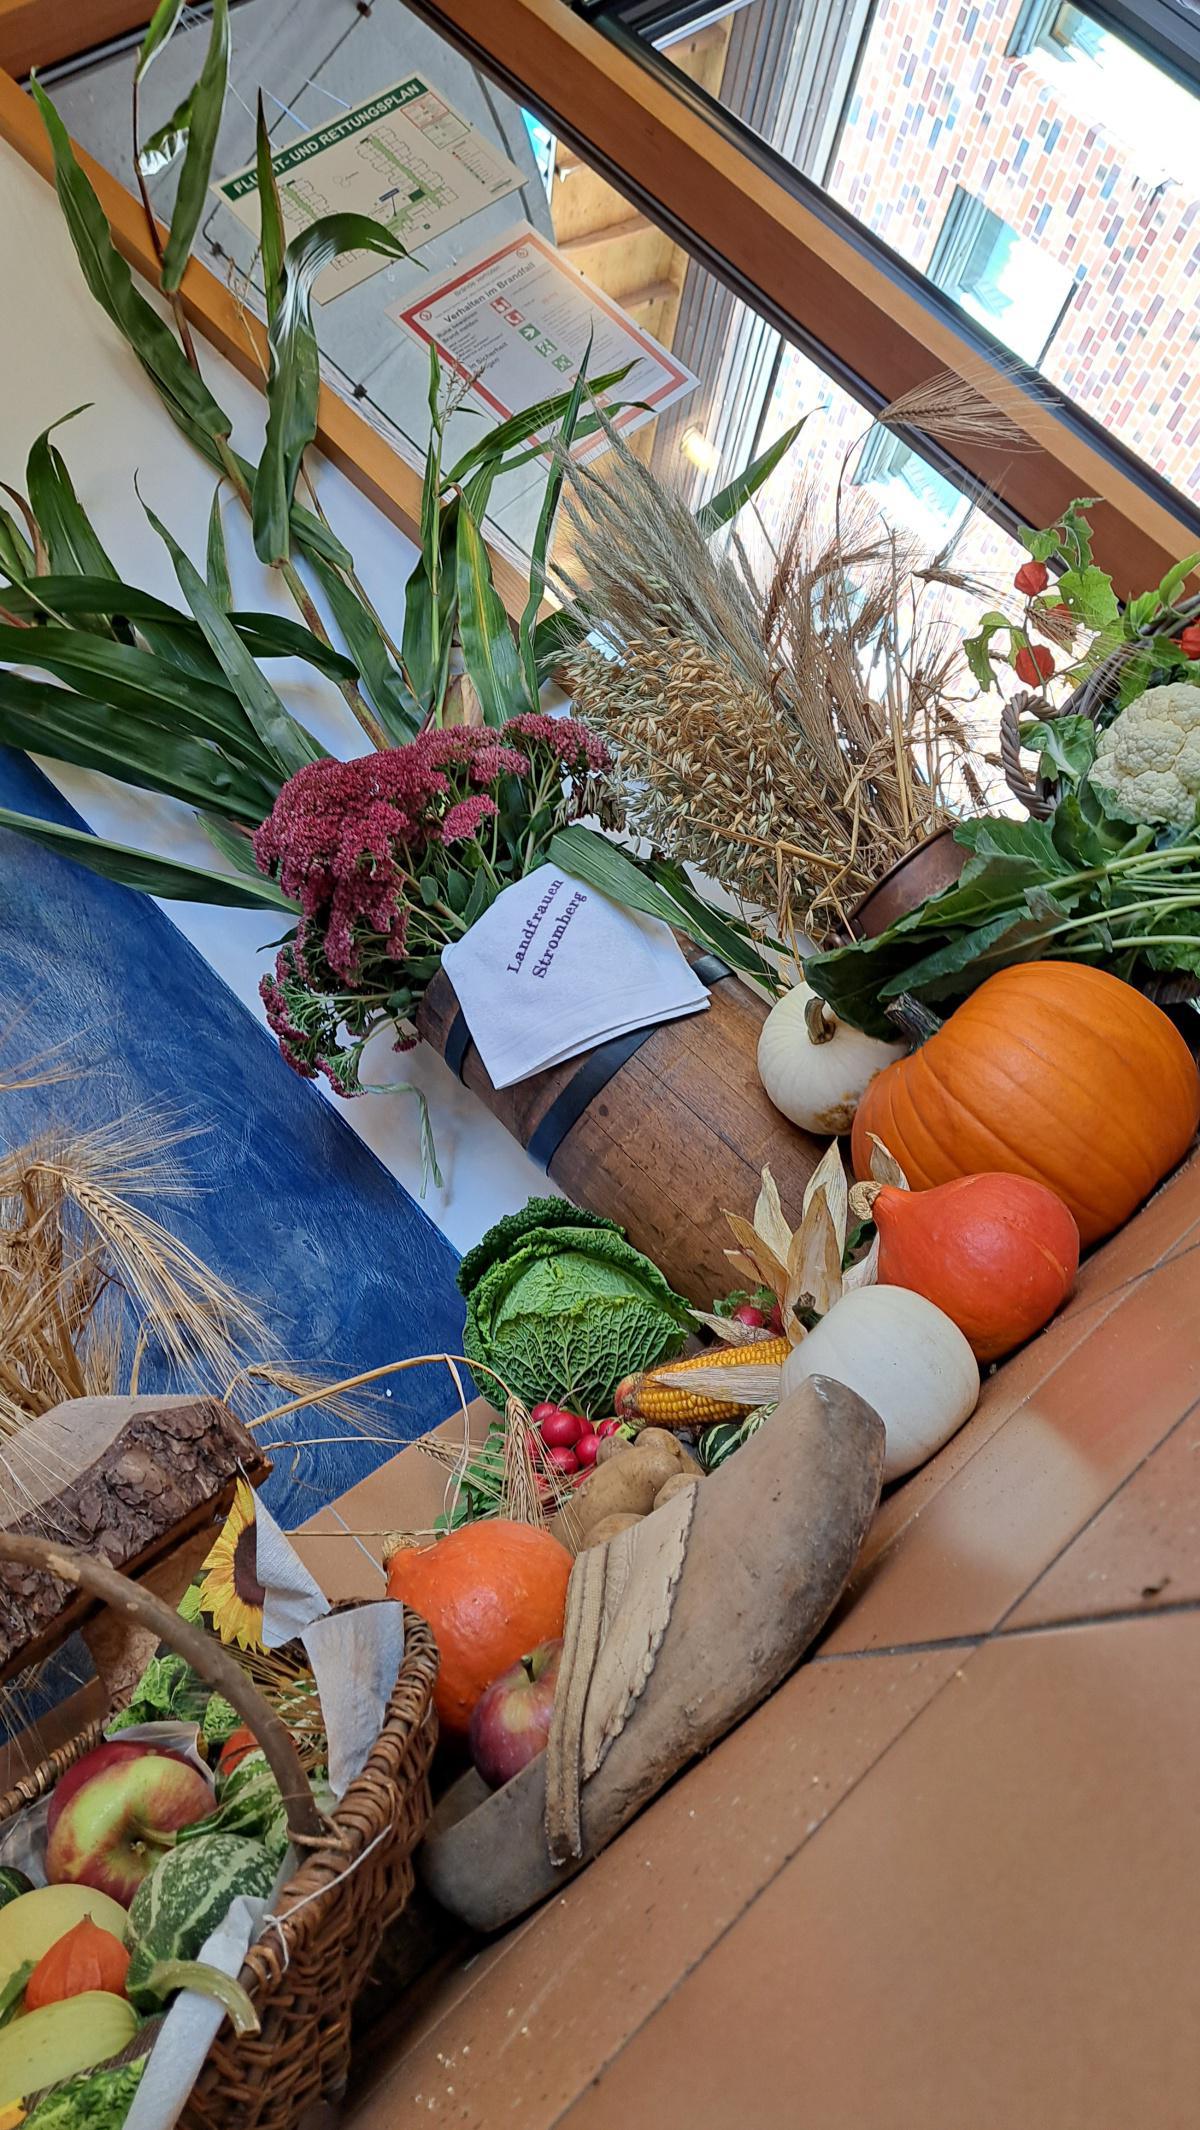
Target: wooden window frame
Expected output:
[870,320]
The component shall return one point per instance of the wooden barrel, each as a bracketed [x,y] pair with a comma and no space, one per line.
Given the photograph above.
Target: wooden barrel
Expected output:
[660,1130]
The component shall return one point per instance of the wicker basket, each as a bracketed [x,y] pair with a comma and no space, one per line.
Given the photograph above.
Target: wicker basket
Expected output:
[304,1976]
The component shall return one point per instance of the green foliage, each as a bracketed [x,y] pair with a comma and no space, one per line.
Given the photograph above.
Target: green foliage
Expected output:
[659,888]
[294,380]
[95,2100]
[507,1235]
[199,120]
[568,1312]
[141,869]
[1066,747]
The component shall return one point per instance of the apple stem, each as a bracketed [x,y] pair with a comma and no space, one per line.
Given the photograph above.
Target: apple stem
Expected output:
[527,1668]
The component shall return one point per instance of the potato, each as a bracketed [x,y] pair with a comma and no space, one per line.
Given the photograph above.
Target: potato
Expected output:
[623,1484]
[609,1527]
[674,1486]
[612,1446]
[660,1438]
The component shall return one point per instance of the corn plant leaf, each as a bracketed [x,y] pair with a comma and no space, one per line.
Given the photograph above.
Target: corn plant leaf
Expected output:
[72,543]
[137,680]
[174,634]
[543,414]
[393,702]
[216,560]
[167,142]
[111,283]
[490,654]
[232,843]
[116,742]
[142,870]
[545,526]
[203,113]
[722,508]
[659,890]
[17,561]
[294,382]
[272,241]
[429,614]
[285,740]
[554,636]
[162,27]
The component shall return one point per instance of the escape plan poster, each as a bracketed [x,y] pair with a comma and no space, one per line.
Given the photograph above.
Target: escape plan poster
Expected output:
[514,321]
[407,158]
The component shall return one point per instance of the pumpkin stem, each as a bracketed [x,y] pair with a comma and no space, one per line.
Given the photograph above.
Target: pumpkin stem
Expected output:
[862,1199]
[912,1018]
[819,1021]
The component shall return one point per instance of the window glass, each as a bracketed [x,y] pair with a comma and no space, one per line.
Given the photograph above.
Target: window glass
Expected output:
[1039,169]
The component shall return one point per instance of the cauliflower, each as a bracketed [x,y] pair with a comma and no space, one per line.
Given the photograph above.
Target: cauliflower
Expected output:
[1149,758]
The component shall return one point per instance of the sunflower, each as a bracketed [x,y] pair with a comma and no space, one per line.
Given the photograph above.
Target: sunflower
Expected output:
[231,1592]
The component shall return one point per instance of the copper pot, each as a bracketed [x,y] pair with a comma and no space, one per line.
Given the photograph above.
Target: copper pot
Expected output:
[929,870]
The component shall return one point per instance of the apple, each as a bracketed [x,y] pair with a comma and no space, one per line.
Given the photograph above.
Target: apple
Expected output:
[108,1755]
[109,1833]
[510,1722]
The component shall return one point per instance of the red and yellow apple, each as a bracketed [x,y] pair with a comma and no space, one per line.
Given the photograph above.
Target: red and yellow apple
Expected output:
[108,1755]
[110,1831]
[510,1723]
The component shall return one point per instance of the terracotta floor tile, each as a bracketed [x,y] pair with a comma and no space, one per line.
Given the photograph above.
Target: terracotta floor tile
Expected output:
[1140,1553]
[990,1531]
[550,2006]
[1164,1228]
[996,1931]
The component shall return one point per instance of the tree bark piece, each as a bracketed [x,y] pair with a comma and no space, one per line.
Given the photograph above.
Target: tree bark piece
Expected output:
[775,1534]
[126,1479]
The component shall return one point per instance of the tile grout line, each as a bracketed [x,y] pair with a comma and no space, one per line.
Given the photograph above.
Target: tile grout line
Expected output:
[985,1636]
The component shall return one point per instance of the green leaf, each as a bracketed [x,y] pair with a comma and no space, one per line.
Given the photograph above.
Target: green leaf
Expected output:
[175,633]
[1043,546]
[162,25]
[17,559]
[1082,840]
[1066,746]
[204,109]
[72,544]
[1175,579]
[1075,533]
[978,649]
[217,559]
[168,141]
[137,680]
[726,504]
[142,870]
[396,708]
[554,636]
[111,283]
[231,843]
[286,741]
[1088,592]
[118,743]
[293,386]
[272,239]
[963,963]
[655,891]
[489,652]
[14,1990]
[543,414]
[1140,612]
[545,525]
[428,623]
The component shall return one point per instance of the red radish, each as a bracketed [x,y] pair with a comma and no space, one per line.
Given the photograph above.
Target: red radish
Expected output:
[560,1430]
[747,1314]
[586,1448]
[542,1412]
[775,1322]
[562,1460]
[605,1428]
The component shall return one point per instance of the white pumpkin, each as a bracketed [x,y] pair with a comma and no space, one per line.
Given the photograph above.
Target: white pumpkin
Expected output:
[905,1357]
[815,1068]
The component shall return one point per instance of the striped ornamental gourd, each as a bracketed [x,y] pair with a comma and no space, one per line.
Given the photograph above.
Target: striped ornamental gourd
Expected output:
[648,1398]
[181,1903]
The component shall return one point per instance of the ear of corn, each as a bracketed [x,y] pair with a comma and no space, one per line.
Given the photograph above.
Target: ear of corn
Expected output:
[668,1404]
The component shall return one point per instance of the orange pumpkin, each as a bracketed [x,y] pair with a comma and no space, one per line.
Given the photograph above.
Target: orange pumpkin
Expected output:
[1050,1070]
[491,1591]
[85,1958]
[997,1254]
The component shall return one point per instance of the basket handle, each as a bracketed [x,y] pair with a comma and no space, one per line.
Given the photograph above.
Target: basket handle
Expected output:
[198,1649]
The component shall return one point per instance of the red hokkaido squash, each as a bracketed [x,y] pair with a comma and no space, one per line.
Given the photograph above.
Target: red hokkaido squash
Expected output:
[1050,1070]
[491,1591]
[997,1254]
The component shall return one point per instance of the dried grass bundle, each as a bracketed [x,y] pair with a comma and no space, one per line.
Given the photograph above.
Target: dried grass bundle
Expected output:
[793,739]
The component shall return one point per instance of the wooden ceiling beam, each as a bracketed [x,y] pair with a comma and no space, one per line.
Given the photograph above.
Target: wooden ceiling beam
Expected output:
[40,33]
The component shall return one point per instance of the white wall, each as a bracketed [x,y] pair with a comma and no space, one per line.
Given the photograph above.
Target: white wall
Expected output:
[57,351]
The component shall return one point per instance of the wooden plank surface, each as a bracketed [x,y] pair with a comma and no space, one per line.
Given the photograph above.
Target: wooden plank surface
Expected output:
[38,33]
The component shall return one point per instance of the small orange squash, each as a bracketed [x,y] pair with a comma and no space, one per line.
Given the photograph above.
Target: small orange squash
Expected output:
[491,1591]
[997,1254]
[85,1958]
[1050,1070]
